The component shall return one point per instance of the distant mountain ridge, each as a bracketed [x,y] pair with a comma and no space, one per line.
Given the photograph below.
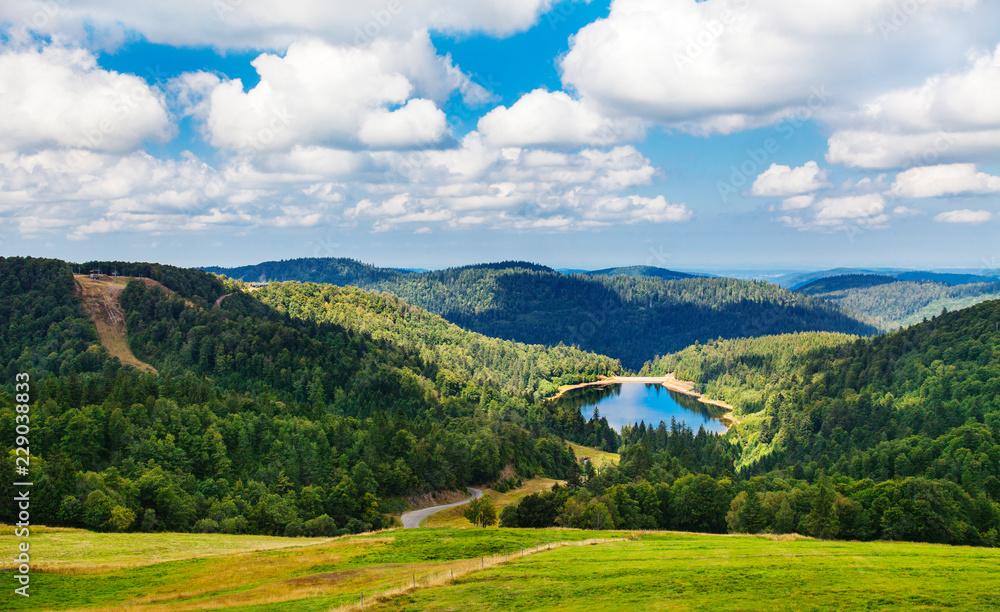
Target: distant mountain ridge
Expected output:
[632,316]
[640,271]
[797,281]
[890,302]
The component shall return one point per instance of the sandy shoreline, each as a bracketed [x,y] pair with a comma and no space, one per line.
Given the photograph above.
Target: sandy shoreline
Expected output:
[669,381]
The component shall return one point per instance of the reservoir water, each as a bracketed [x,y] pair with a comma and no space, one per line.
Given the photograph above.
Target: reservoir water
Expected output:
[651,403]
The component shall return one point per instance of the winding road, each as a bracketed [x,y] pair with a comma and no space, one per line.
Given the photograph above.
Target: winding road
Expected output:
[412,520]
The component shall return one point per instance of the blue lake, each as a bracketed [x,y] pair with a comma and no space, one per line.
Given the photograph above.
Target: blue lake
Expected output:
[651,403]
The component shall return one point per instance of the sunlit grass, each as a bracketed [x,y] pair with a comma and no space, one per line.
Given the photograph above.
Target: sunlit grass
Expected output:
[452,517]
[293,574]
[697,572]
[597,457]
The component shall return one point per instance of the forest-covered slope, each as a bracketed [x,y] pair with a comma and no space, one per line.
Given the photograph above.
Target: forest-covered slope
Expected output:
[889,303]
[632,319]
[258,421]
[534,371]
[894,405]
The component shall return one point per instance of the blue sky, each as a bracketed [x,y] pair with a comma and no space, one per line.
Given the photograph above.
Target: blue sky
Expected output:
[428,133]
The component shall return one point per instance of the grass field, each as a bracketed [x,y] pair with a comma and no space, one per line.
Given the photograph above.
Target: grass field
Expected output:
[78,551]
[167,572]
[696,572]
[651,571]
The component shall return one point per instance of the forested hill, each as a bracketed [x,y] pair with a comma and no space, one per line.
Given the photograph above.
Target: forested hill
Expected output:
[258,421]
[843,282]
[889,303]
[640,271]
[901,404]
[632,319]
[899,434]
[533,371]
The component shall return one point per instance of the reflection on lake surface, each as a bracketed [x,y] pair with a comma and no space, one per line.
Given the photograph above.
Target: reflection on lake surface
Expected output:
[634,402]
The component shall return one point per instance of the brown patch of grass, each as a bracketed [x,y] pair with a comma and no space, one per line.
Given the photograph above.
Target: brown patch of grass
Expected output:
[785,537]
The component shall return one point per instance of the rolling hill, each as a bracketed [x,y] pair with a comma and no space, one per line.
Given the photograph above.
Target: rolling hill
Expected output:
[889,302]
[255,421]
[640,271]
[630,318]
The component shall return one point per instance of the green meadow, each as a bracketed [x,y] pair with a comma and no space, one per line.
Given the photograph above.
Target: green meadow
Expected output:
[669,571]
[560,570]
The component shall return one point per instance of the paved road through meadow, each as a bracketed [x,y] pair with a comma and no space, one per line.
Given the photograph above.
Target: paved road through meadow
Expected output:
[412,520]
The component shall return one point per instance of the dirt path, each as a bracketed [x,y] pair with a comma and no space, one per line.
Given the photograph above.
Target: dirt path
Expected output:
[685,387]
[100,302]
[412,520]
[218,302]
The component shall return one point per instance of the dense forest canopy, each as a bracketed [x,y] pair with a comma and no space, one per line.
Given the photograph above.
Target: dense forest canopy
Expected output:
[918,407]
[514,367]
[258,421]
[306,409]
[630,318]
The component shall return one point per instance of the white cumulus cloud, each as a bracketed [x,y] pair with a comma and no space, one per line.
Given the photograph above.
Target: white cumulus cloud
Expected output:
[952,116]
[553,118]
[964,216]
[381,96]
[57,97]
[729,65]
[275,24]
[782,181]
[837,213]
[944,180]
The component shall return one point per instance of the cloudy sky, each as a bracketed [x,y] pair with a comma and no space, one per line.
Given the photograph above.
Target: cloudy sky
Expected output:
[426,133]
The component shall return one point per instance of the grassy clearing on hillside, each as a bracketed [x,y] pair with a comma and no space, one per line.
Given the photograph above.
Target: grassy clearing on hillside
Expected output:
[100,302]
[294,575]
[697,572]
[452,517]
[598,457]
